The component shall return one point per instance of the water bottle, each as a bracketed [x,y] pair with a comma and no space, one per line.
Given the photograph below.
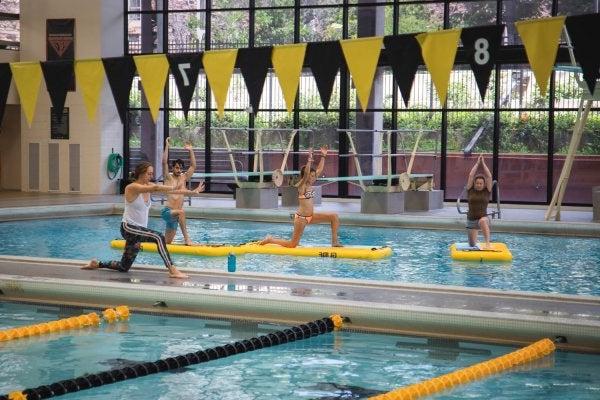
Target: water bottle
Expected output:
[231,262]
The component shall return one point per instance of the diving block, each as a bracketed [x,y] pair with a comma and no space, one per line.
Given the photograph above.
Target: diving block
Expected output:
[257,197]
[423,200]
[382,202]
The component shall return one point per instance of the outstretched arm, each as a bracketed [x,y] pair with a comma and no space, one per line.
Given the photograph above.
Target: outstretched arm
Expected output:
[188,192]
[473,172]
[322,160]
[192,167]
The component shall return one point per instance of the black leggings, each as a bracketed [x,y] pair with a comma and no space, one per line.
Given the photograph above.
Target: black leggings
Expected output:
[134,235]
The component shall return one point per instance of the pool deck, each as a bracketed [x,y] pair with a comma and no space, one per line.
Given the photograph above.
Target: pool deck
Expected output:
[418,309]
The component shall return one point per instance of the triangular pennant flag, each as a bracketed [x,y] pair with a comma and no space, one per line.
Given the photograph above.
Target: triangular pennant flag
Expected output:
[120,72]
[287,61]
[404,56]
[581,29]
[28,77]
[5,78]
[153,70]
[439,51]
[541,38]
[481,44]
[58,76]
[185,69]
[362,57]
[254,64]
[90,79]
[324,59]
[218,66]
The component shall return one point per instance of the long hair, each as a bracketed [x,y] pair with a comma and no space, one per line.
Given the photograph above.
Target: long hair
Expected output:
[141,168]
[304,169]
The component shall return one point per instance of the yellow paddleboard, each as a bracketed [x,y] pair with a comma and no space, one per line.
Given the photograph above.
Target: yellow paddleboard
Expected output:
[463,252]
[220,250]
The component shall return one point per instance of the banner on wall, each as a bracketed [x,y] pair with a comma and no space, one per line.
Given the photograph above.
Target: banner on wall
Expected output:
[581,28]
[58,75]
[60,42]
[254,64]
[541,38]
[481,45]
[5,78]
[185,69]
[324,60]
[439,51]
[120,72]
[404,56]
[218,66]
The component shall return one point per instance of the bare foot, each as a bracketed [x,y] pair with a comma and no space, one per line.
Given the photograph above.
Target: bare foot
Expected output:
[266,240]
[93,264]
[337,244]
[174,273]
[486,246]
[188,242]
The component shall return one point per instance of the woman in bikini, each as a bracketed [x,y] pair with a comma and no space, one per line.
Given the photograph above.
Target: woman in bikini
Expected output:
[305,214]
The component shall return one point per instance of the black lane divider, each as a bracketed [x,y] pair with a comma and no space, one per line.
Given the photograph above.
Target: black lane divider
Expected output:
[303,331]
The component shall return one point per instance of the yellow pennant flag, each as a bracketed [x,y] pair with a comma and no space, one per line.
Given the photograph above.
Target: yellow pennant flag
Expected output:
[541,38]
[287,61]
[90,79]
[218,66]
[153,70]
[28,77]
[362,56]
[439,51]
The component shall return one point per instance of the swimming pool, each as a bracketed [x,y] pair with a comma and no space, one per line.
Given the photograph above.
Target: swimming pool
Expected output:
[555,264]
[331,366]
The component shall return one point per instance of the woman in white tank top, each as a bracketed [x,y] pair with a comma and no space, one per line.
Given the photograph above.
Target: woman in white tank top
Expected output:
[134,224]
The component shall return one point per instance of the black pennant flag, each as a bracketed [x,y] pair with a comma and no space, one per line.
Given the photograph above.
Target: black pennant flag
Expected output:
[324,60]
[481,44]
[254,64]
[404,56]
[59,77]
[5,78]
[582,31]
[185,69]
[120,72]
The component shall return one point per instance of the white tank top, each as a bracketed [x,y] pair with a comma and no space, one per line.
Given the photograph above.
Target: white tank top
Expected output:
[137,211]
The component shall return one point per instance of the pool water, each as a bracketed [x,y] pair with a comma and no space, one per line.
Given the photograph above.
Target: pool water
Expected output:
[338,365]
[556,264]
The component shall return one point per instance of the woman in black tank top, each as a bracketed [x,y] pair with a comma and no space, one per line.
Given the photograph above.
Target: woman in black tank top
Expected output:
[479,188]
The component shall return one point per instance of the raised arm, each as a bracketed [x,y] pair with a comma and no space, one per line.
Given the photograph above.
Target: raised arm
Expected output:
[165,159]
[472,173]
[306,171]
[487,174]
[322,160]
[190,172]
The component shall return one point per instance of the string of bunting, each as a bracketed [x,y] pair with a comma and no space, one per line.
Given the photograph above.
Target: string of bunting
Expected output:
[437,50]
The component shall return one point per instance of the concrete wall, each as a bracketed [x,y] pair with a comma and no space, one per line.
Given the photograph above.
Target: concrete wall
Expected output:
[10,148]
[98,33]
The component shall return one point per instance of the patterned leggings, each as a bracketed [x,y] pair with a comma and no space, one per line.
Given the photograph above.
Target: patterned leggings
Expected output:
[134,235]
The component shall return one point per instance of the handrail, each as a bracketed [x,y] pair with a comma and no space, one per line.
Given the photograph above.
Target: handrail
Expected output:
[493,214]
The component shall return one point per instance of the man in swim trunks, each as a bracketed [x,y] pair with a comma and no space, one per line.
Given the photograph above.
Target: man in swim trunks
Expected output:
[479,188]
[305,214]
[173,213]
